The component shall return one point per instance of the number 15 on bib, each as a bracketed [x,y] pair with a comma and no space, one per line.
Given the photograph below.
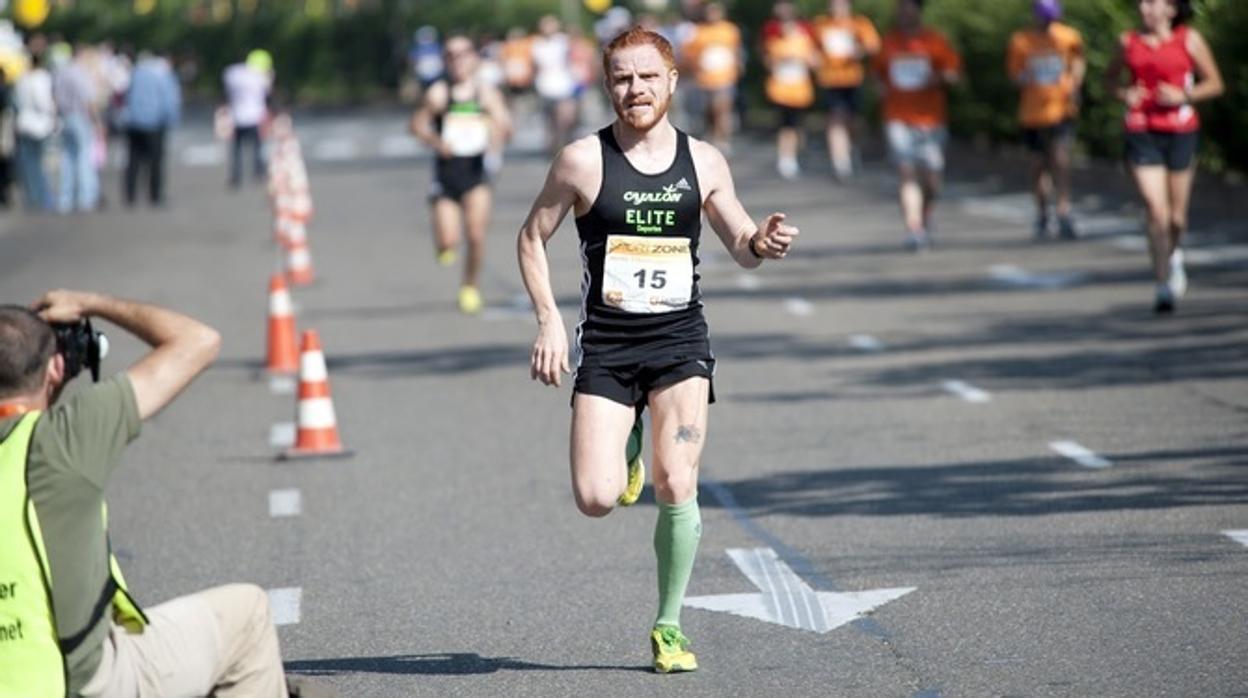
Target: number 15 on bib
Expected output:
[647,275]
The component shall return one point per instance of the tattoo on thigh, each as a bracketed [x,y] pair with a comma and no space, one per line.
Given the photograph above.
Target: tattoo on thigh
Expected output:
[688,434]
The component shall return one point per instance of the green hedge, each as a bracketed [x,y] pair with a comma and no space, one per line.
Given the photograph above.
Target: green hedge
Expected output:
[349,56]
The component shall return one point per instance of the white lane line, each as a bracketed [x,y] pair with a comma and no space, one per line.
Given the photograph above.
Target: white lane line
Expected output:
[398,146]
[1218,255]
[336,149]
[282,385]
[799,307]
[282,435]
[203,155]
[1239,536]
[284,605]
[1079,454]
[966,391]
[748,282]
[285,503]
[1011,275]
[1131,243]
[865,342]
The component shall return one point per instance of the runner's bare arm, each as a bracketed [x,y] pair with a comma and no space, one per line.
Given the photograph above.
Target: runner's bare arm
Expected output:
[770,239]
[500,118]
[421,126]
[573,169]
[1112,80]
[1209,84]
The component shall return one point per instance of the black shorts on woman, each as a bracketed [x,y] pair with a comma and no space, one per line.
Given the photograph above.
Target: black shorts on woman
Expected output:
[646,330]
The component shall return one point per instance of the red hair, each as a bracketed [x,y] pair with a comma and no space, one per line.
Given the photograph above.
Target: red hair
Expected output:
[637,36]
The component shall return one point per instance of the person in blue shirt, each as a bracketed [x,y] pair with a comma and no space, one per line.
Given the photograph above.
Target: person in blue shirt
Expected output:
[153,105]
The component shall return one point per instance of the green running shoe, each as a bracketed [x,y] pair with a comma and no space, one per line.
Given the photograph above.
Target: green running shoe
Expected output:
[636,468]
[671,650]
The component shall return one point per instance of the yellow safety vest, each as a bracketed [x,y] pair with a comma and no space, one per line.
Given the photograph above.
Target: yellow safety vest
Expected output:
[32,655]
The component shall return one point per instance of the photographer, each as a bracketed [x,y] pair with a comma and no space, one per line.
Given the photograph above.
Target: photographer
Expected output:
[67,624]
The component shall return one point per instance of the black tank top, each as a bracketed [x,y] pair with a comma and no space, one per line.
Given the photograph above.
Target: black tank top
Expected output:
[640,299]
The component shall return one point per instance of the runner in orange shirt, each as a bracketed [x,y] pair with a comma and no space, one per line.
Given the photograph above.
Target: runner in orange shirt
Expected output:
[789,53]
[915,65]
[517,59]
[844,40]
[713,54]
[1047,63]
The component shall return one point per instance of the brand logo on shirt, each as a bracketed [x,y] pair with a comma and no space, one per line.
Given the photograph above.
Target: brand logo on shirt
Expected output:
[683,185]
[669,195]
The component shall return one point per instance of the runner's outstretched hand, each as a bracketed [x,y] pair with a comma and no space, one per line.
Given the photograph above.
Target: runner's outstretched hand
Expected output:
[774,237]
[550,354]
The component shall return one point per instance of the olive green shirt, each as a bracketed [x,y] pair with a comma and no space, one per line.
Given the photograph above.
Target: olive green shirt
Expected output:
[74,449]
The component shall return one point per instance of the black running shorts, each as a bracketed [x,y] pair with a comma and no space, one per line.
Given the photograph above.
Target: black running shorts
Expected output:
[1173,150]
[630,385]
[456,176]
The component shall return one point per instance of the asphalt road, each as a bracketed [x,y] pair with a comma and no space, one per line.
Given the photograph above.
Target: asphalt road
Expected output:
[885,421]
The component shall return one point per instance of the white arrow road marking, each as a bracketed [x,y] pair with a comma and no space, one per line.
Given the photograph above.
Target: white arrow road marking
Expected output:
[966,391]
[284,605]
[282,435]
[787,600]
[799,307]
[1239,536]
[285,503]
[865,342]
[1011,275]
[1079,454]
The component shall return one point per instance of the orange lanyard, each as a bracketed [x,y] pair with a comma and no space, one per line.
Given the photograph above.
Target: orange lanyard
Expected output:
[7,411]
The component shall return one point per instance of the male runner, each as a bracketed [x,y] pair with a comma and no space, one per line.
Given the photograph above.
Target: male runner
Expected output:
[1046,61]
[639,188]
[463,120]
[916,64]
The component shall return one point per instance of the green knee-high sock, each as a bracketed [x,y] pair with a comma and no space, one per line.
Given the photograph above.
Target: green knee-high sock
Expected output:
[676,536]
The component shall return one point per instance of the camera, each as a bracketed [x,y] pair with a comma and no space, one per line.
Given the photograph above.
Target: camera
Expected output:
[81,346]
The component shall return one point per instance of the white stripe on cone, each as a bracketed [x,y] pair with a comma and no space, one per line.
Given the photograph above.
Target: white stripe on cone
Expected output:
[317,413]
[280,305]
[312,367]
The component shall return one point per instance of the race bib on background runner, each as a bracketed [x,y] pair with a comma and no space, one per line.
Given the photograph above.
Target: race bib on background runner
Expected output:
[1046,68]
[716,59]
[646,275]
[839,43]
[791,71]
[910,73]
[466,134]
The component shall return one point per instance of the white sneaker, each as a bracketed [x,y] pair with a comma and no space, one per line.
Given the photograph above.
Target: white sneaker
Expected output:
[788,168]
[1178,275]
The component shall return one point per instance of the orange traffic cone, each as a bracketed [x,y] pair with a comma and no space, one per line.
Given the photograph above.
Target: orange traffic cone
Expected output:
[299,262]
[317,425]
[283,356]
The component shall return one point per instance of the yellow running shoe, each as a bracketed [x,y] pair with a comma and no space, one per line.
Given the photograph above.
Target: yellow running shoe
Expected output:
[446,257]
[671,650]
[636,468]
[469,300]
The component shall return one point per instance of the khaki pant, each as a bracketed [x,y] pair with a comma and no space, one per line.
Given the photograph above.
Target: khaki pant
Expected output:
[220,641]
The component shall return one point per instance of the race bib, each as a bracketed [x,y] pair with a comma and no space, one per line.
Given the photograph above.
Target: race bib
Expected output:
[466,134]
[839,43]
[1046,69]
[647,275]
[717,59]
[911,73]
[791,71]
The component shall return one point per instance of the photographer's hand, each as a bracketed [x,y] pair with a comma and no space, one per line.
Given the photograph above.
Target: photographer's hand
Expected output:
[64,306]
[181,346]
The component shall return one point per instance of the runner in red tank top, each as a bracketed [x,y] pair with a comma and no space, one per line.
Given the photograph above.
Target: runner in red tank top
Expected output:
[1170,68]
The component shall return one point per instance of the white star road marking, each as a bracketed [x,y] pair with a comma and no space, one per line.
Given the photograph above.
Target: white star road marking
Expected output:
[785,599]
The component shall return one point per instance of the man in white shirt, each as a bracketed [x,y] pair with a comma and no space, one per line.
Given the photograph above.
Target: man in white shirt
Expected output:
[247,87]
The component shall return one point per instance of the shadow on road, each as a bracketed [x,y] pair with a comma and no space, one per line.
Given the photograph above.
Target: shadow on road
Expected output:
[1023,487]
[454,664]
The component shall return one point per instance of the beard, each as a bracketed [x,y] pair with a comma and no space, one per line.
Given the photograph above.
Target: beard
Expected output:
[645,120]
